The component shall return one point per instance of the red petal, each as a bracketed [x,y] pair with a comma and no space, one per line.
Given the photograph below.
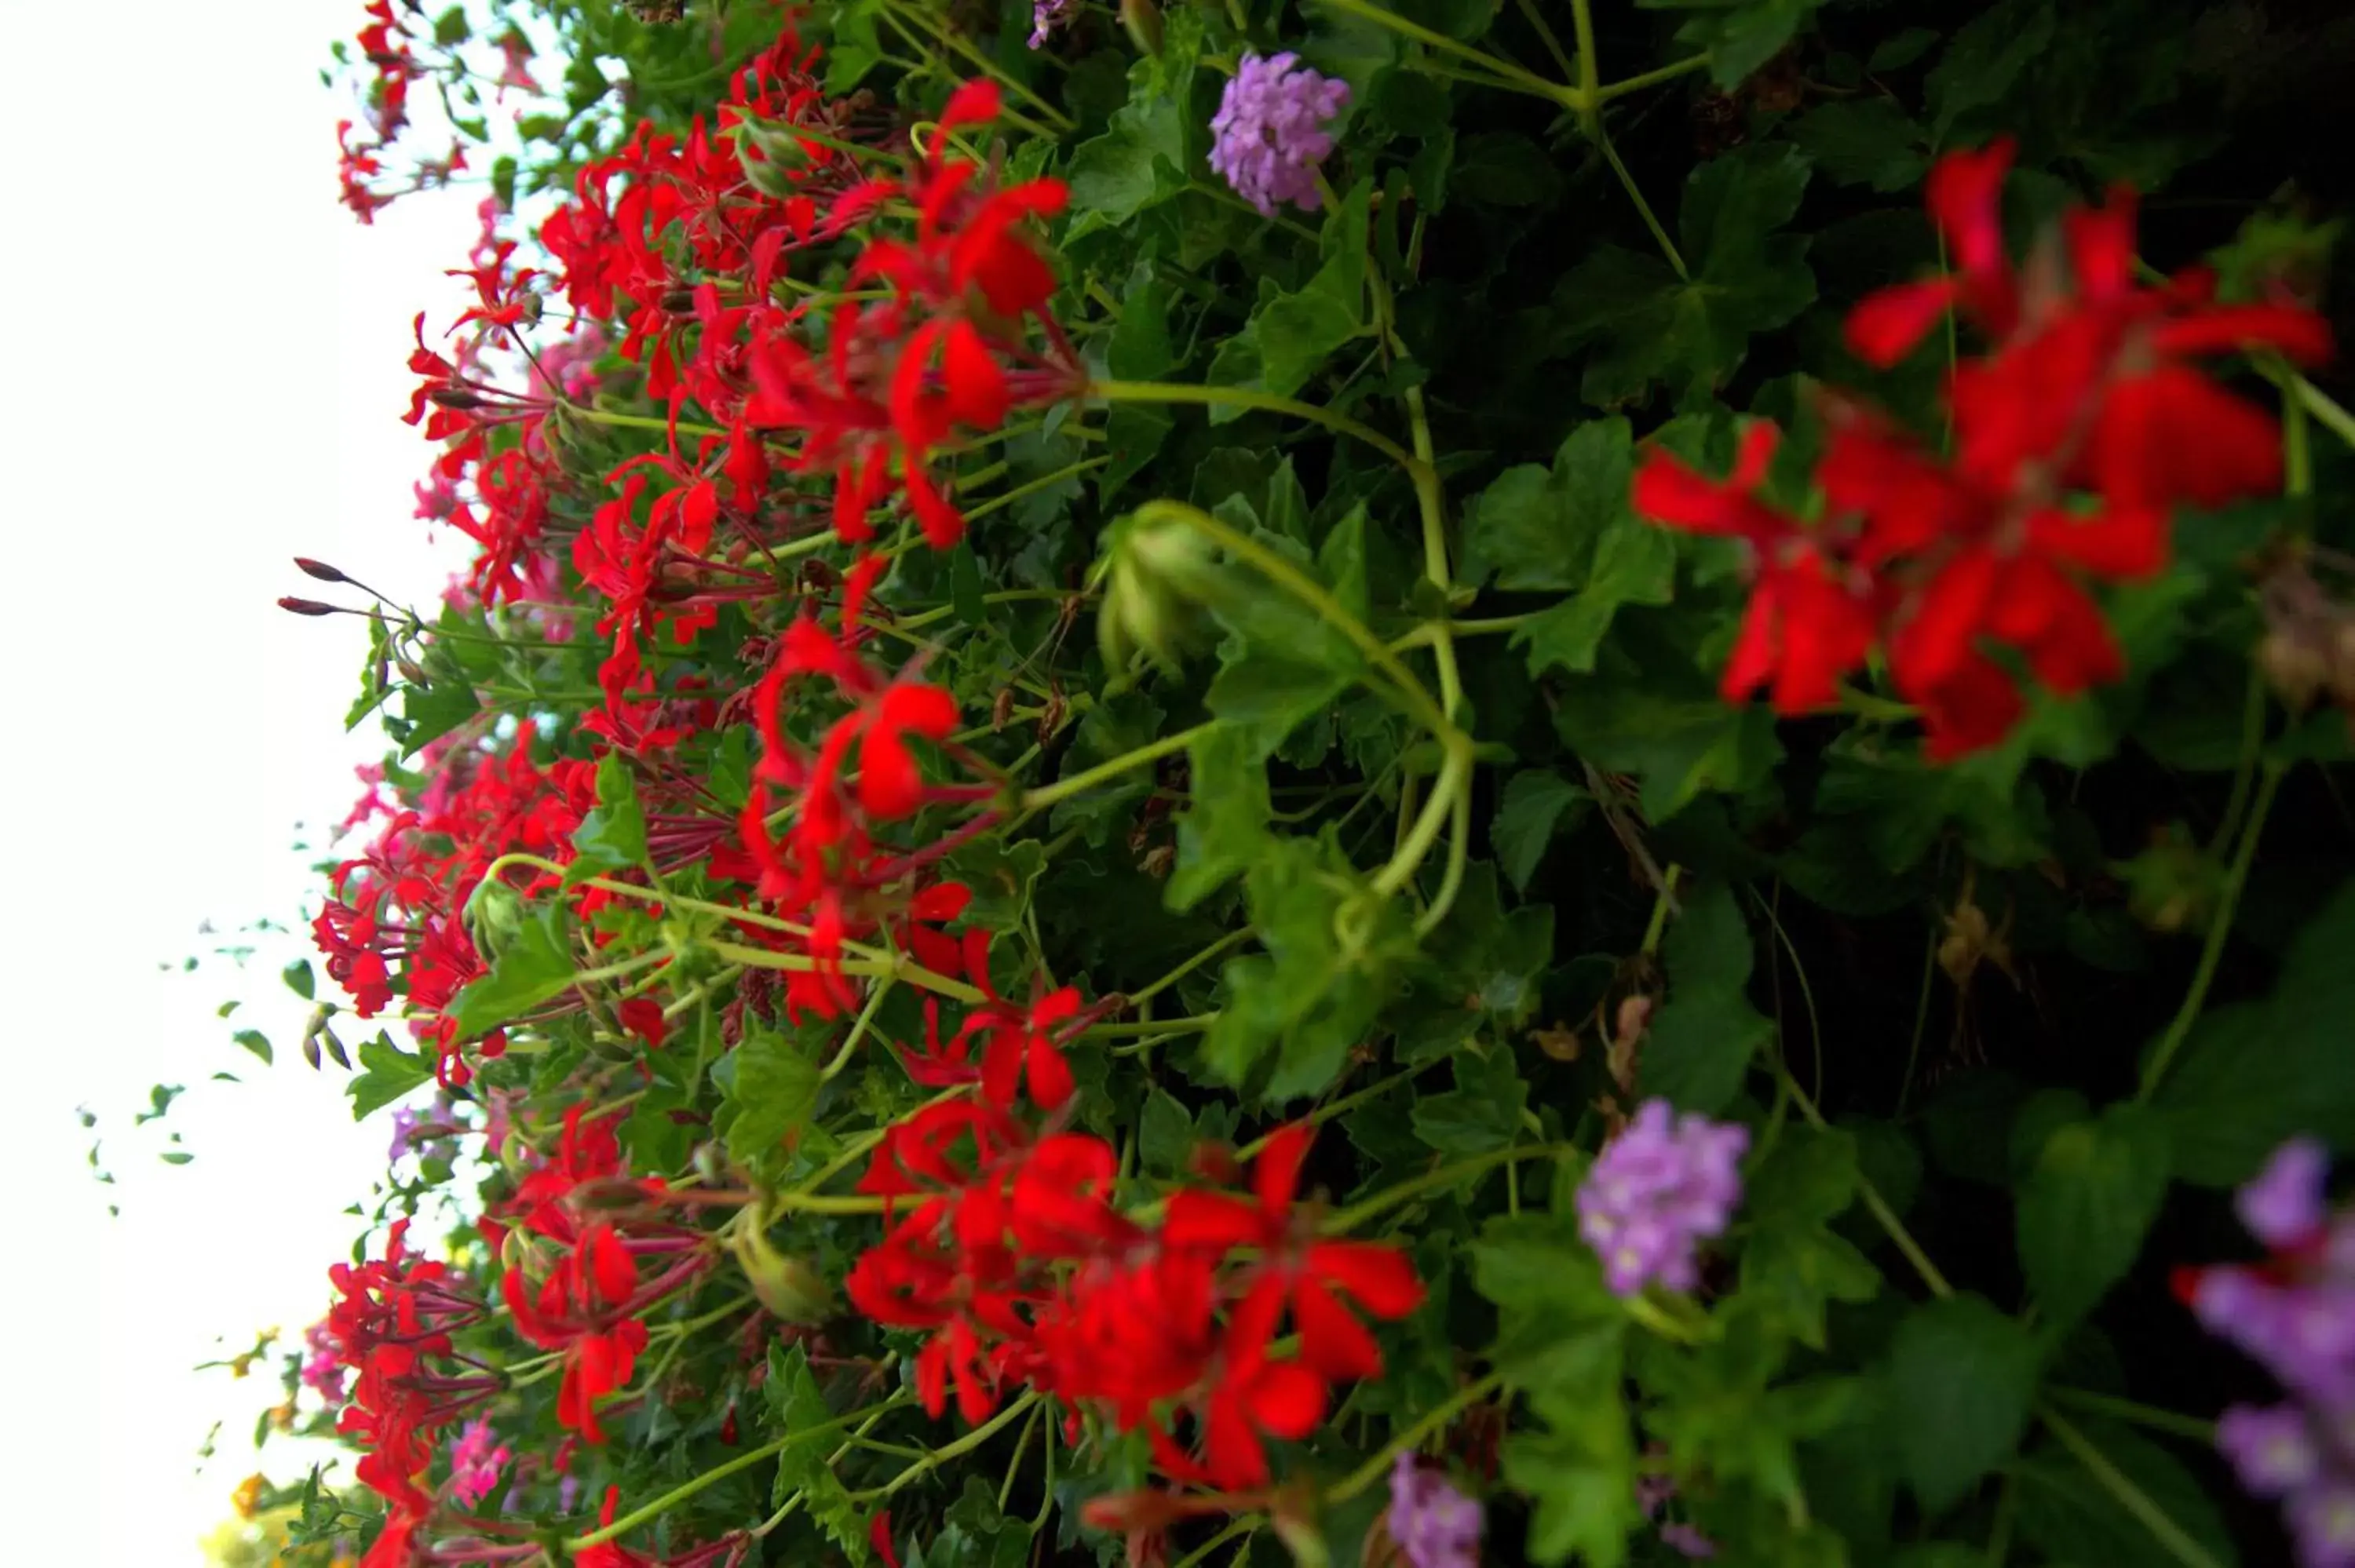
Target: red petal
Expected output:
[1884,327]
[1050,1075]
[2293,330]
[1964,195]
[1332,1341]
[1381,1279]
[915,706]
[1287,1399]
[1211,1220]
[889,785]
[1934,645]
[972,103]
[1276,1177]
[2101,246]
[976,386]
[1752,660]
[2116,542]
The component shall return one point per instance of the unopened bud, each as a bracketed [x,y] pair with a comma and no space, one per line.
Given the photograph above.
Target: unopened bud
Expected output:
[2292,666]
[1143,20]
[789,1289]
[304,606]
[319,569]
[454,397]
[679,301]
[1155,575]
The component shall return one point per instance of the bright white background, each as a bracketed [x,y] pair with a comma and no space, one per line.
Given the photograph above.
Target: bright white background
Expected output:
[203,376]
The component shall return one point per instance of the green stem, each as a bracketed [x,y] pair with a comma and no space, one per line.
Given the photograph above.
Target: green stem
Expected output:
[1201,1553]
[1436,1420]
[1137,1026]
[1241,397]
[857,1030]
[1455,778]
[1570,97]
[947,1451]
[746,1460]
[1046,795]
[639,422]
[1232,938]
[2140,1414]
[1032,487]
[1348,1219]
[1545,35]
[2212,952]
[1277,568]
[1651,79]
[2130,1497]
[1657,926]
[1875,1204]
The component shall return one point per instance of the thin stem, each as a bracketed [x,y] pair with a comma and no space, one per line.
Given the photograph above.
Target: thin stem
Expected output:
[1348,1219]
[1650,78]
[2212,952]
[1032,487]
[743,1461]
[1232,938]
[1411,692]
[947,1451]
[1545,35]
[1921,1018]
[1080,783]
[1436,1420]
[1664,901]
[1875,1204]
[1570,97]
[1242,397]
[2169,1421]
[2130,1497]
[1454,777]
[857,1030]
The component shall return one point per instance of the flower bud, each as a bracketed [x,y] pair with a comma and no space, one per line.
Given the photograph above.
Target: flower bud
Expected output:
[492,915]
[456,398]
[1155,573]
[305,606]
[1143,20]
[319,569]
[791,1289]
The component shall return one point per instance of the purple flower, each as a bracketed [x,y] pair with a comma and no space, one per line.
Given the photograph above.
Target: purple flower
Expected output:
[2284,1206]
[474,1464]
[1689,1539]
[1435,1525]
[2273,1450]
[1270,131]
[404,1132]
[1665,1185]
[1047,19]
[2323,1521]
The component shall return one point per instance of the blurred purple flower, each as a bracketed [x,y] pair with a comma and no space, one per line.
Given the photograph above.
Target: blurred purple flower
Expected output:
[1271,132]
[1665,1185]
[1435,1525]
[2283,1205]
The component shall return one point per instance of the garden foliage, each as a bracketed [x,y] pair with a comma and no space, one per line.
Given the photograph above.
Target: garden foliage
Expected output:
[1360,780]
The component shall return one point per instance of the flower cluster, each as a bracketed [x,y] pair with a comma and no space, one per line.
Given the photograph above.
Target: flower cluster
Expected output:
[2076,435]
[2294,1315]
[1431,1522]
[1272,131]
[1013,1257]
[1665,1185]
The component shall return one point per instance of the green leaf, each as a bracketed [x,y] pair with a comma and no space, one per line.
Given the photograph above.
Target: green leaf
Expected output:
[255,1041]
[1740,35]
[429,712]
[1644,328]
[2071,1516]
[1279,666]
[2085,1209]
[1223,830]
[1001,877]
[796,1404]
[1864,141]
[1703,1037]
[1984,61]
[1164,1133]
[1793,1263]
[1113,727]
[771,1085]
[1531,815]
[1290,335]
[1505,168]
[1963,1377]
[2253,1073]
[1145,155]
[1680,745]
[389,1073]
[297,976]
[1482,1112]
[1560,1338]
[535,966]
[1311,998]
[613,836]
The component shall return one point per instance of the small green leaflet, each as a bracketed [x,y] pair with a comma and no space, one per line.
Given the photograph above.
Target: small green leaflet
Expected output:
[613,836]
[389,1074]
[535,966]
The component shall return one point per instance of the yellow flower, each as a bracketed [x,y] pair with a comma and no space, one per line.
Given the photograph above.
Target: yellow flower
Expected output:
[248,1496]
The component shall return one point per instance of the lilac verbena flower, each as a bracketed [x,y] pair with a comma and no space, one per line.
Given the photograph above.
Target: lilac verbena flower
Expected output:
[2284,1206]
[404,1133]
[1435,1525]
[2271,1450]
[1271,130]
[2296,1316]
[1665,1185]
[475,1463]
[1049,17]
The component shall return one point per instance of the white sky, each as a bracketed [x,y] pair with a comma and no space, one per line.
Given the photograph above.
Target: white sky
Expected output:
[204,377]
